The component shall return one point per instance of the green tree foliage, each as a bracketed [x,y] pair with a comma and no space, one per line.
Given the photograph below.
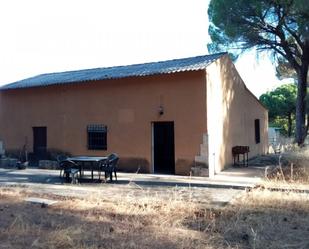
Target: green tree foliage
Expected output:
[280,26]
[281,104]
[282,122]
[285,71]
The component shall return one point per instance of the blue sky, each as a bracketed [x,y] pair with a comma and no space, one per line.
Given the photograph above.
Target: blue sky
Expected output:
[48,36]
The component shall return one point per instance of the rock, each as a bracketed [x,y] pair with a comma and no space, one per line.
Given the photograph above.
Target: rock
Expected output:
[44,202]
[199,171]
[48,164]
[8,162]
[21,165]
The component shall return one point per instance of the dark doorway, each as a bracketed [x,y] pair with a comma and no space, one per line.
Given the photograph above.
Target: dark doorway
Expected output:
[163,147]
[39,142]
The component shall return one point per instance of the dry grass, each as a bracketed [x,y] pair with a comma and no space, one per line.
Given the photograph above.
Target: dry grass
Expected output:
[96,223]
[258,219]
[291,169]
[266,219]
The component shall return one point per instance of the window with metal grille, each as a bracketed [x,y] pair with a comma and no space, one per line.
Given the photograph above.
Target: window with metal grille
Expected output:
[257,131]
[97,137]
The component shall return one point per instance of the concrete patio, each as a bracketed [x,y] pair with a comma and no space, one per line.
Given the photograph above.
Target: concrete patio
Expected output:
[238,178]
[211,193]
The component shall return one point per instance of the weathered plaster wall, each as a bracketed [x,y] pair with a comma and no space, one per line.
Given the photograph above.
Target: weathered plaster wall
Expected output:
[126,106]
[231,109]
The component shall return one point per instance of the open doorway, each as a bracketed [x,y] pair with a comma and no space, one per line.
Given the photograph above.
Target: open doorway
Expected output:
[163,147]
[39,142]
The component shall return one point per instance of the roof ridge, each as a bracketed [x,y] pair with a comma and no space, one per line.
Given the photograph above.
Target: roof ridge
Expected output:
[115,72]
[128,65]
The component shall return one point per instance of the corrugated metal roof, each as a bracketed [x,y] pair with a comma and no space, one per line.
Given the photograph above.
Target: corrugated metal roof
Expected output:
[86,75]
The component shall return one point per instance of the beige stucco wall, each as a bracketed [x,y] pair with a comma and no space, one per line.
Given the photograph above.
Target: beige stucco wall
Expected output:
[231,110]
[127,106]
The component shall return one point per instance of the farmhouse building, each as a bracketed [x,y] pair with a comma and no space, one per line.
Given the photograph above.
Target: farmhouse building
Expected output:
[161,117]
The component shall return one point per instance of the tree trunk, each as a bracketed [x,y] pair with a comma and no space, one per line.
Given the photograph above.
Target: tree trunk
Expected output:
[289,124]
[301,104]
[307,128]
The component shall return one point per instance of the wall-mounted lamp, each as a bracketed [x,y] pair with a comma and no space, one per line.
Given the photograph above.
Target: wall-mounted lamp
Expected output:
[161,110]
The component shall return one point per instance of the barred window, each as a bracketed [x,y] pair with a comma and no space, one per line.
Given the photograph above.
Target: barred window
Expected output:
[97,137]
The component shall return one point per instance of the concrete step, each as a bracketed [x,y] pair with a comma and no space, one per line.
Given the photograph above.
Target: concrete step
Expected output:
[204,150]
[43,202]
[199,171]
[201,161]
[205,139]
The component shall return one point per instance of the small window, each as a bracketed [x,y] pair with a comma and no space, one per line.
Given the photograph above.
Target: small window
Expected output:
[257,131]
[97,137]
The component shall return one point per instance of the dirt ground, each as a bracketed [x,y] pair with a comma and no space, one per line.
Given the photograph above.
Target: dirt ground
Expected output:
[164,218]
[257,219]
